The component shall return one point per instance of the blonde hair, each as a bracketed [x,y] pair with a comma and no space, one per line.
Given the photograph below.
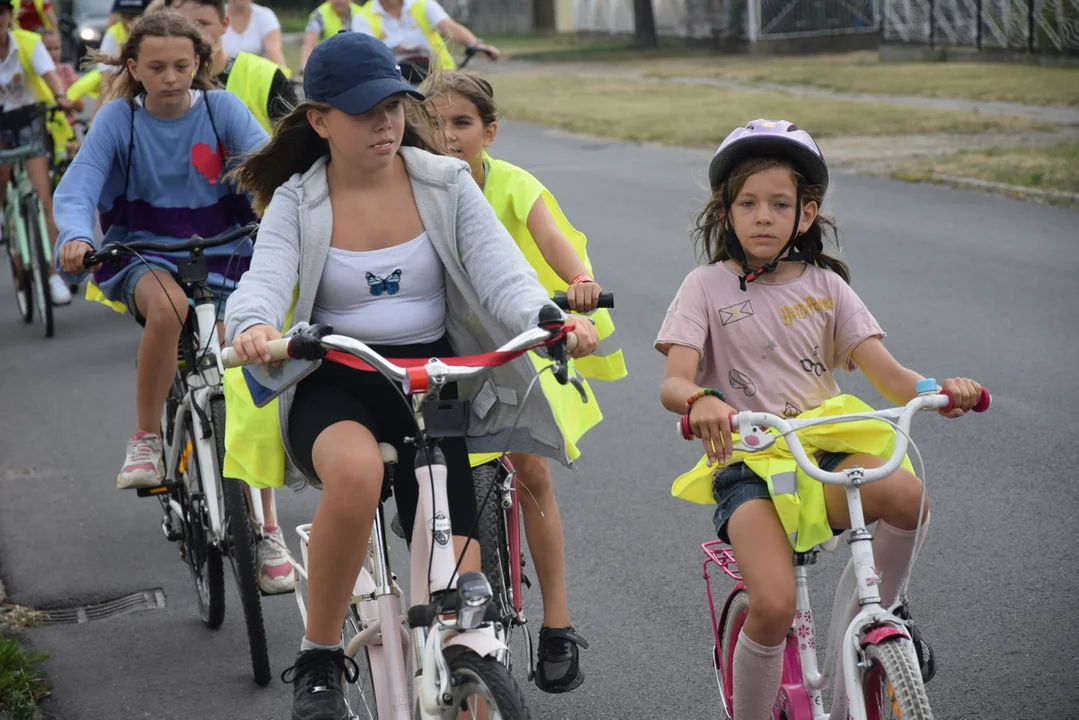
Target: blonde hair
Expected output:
[156,24]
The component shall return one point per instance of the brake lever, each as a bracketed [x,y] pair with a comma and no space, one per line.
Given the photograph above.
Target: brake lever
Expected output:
[576,382]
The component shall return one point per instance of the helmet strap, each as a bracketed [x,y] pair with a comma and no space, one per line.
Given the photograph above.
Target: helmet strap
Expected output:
[749,274]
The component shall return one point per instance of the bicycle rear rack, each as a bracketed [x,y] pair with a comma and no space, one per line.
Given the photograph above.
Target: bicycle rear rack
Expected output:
[720,553]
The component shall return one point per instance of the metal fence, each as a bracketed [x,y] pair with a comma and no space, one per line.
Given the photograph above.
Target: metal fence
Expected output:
[1048,26]
[774,19]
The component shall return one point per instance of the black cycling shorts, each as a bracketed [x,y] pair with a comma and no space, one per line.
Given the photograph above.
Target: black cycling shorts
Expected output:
[334,393]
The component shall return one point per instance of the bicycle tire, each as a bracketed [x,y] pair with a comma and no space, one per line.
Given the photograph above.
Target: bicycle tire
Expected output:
[24,299]
[203,558]
[470,670]
[893,684]
[734,618]
[39,266]
[241,551]
[491,529]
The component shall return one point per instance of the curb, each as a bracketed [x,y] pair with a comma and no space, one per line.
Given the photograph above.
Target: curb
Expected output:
[1004,187]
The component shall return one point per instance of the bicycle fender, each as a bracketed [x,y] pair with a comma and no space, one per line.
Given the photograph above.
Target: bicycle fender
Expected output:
[481,643]
[727,606]
[881,633]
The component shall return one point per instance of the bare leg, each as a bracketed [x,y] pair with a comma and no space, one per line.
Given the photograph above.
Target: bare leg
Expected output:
[543,528]
[347,460]
[161,301]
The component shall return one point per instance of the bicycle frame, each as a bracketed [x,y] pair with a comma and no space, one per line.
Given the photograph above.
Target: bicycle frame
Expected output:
[19,188]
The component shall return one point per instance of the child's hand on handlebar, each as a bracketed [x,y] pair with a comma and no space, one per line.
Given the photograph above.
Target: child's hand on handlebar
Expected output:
[587,338]
[583,296]
[490,51]
[965,394]
[251,344]
[72,255]
[710,419]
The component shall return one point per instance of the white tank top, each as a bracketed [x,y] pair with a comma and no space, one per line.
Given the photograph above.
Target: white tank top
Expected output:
[392,296]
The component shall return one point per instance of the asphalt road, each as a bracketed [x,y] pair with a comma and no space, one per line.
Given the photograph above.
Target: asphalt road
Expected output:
[964,284]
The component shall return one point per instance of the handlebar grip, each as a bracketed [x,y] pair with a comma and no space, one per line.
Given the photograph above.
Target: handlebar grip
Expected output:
[687,430]
[278,351]
[981,406]
[606,300]
[571,342]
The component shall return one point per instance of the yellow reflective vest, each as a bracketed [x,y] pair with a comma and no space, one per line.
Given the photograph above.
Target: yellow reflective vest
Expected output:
[331,21]
[39,5]
[419,13]
[89,85]
[798,498]
[57,125]
[251,79]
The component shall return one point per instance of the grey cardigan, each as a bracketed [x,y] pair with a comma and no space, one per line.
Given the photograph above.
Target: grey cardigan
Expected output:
[492,293]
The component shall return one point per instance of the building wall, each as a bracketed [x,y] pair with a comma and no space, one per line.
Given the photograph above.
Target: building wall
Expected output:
[682,18]
[492,16]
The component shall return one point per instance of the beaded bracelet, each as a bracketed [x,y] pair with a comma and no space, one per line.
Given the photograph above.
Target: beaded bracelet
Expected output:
[701,393]
[582,278]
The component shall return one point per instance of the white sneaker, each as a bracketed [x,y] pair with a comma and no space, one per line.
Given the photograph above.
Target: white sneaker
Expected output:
[276,574]
[143,463]
[59,291]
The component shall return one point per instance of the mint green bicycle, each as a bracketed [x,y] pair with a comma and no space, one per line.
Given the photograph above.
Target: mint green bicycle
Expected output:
[25,231]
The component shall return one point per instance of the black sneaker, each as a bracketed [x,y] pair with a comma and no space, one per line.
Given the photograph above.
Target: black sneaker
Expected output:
[318,693]
[559,668]
[927,660]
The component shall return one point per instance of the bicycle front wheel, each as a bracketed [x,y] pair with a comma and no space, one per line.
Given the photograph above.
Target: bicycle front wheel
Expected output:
[491,528]
[479,682]
[241,533]
[893,685]
[203,557]
[360,696]
[39,266]
[20,278]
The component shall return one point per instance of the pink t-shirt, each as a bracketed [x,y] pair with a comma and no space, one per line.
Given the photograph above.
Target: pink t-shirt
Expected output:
[774,347]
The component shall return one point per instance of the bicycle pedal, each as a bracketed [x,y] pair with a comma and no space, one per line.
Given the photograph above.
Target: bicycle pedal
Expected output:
[525,581]
[159,490]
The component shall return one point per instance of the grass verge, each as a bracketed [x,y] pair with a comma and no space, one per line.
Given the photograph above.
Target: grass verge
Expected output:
[22,684]
[673,115]
[863,72]
[1046,167]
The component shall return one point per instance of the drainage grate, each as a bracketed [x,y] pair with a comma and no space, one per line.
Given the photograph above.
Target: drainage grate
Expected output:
[136,602]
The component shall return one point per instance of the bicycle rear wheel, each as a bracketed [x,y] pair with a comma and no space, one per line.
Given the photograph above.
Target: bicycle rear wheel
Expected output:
[893,685]
[39,266]
[491,528]
[359,696]
[735,617]
[242,539]
[20,278]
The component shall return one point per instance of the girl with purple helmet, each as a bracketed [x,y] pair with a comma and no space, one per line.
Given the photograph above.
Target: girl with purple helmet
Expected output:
[762,327]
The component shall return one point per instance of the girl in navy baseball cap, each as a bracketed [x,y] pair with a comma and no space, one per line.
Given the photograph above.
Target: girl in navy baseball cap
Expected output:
[370,228]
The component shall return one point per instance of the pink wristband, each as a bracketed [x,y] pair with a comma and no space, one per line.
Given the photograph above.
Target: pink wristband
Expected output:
[583,278]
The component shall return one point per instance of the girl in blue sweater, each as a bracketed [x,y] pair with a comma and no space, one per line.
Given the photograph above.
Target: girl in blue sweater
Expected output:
[153,166]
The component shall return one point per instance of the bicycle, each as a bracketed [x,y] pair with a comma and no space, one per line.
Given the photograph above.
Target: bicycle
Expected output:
[499,530]
[454,641]
[879,663]
[414,68]
[25,230]
[211,517]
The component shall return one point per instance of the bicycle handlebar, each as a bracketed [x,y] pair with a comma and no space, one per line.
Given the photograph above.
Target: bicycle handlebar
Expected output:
[751,427]
[196,243]
[606,300]
[317,341]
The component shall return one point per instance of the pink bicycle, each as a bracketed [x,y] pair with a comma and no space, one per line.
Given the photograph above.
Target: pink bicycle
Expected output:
[879,663]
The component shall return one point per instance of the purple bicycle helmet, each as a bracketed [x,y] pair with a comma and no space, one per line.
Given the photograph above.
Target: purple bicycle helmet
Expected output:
[769,137]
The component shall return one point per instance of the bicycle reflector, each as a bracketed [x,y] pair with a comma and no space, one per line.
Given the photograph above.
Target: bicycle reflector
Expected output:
[473,596]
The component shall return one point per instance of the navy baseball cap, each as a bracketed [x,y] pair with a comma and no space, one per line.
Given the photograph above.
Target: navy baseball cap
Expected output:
[130,7]
[353,72]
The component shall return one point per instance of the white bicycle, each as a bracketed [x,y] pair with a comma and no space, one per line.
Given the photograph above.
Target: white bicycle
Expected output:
[453,629]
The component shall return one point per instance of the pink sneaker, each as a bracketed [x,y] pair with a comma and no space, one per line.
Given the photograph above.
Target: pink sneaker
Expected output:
[276,574]
[143,464]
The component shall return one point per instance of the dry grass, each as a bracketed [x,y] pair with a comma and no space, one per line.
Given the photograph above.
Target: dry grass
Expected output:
[1047,167]
[18,617]
[862,72]
[674,115]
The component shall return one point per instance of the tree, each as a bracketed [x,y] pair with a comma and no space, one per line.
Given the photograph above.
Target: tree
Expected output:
[644,22]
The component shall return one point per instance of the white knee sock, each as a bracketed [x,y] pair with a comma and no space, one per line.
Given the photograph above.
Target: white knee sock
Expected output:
[758,671]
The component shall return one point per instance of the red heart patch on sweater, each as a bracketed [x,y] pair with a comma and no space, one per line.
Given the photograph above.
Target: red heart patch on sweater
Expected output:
[208,162]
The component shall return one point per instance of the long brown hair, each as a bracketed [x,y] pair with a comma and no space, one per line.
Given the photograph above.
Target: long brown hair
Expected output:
[157,24]
[468,85]
[713,235]
[295,147]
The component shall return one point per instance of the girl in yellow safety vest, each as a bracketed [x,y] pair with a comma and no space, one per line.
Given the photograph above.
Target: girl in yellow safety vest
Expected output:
[762,327]
[27,77]
[414,30]
[556,250]
[328,19]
